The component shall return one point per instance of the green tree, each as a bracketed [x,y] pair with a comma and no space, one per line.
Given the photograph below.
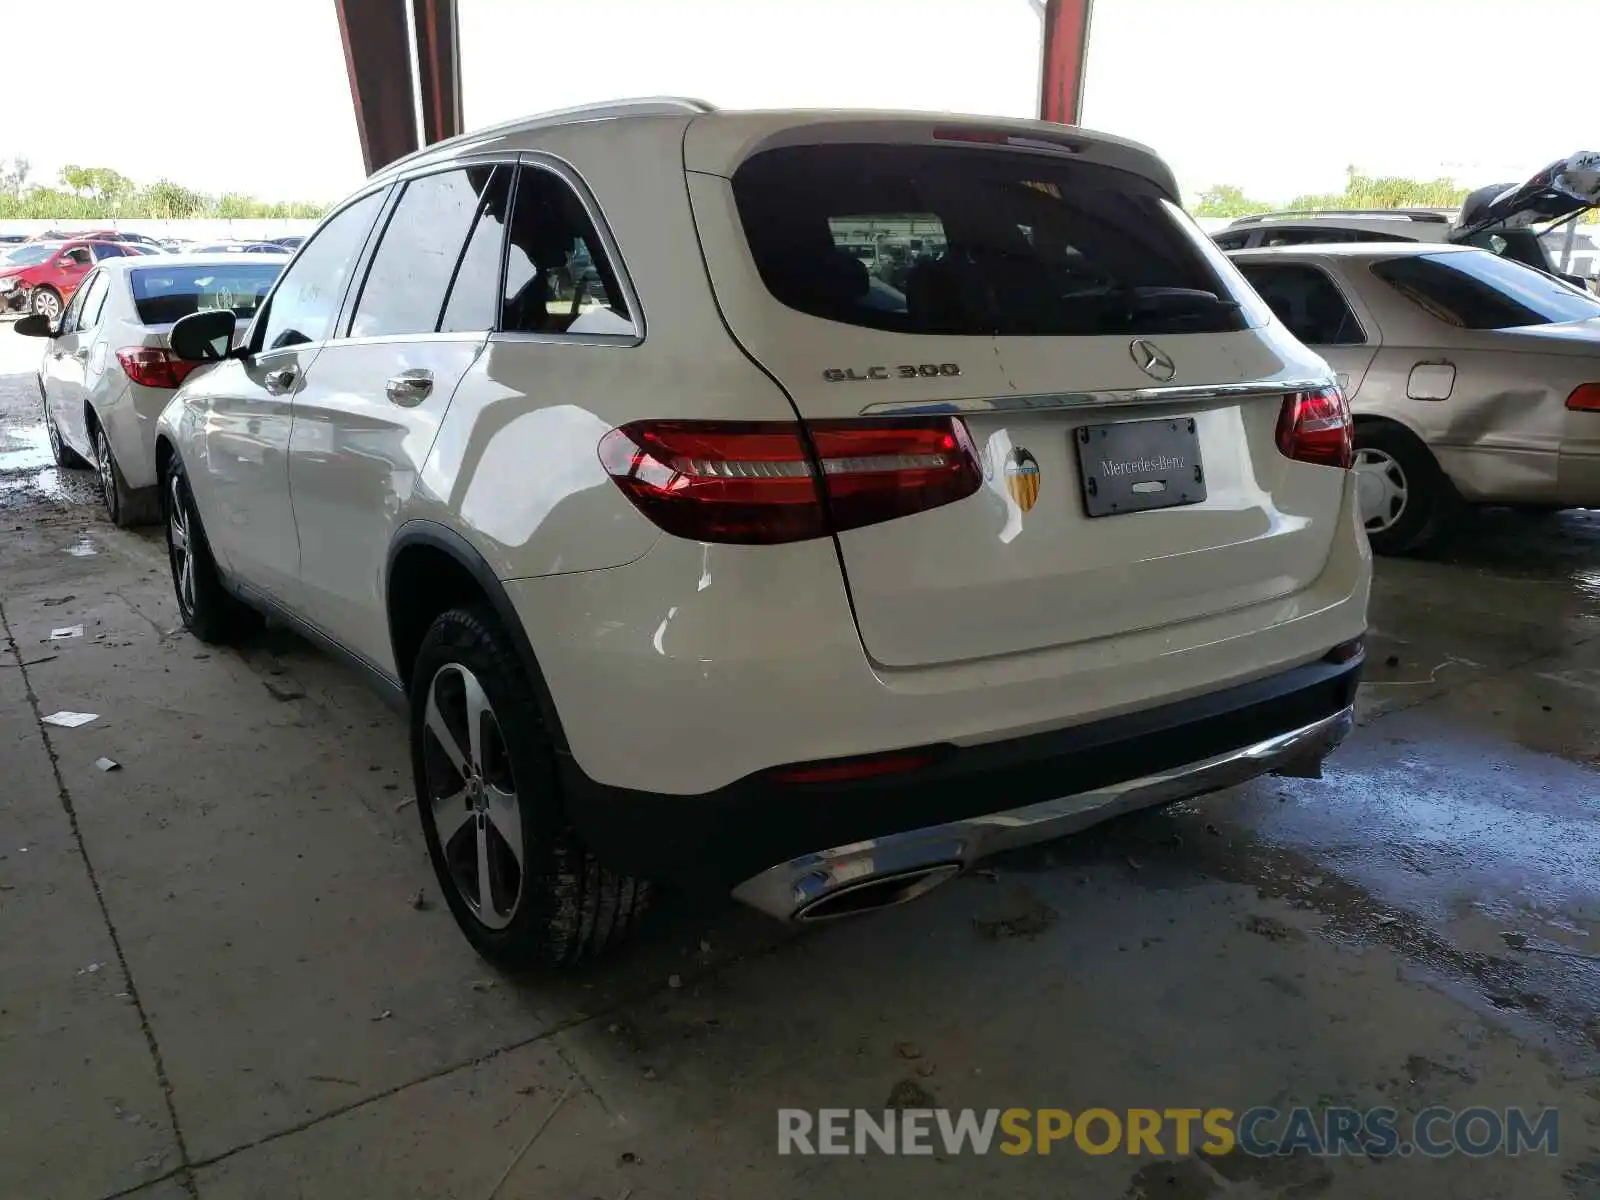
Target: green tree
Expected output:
[172,201]
[1226,200]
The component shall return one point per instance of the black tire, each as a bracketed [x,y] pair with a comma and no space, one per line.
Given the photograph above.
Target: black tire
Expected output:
[207,608]
[63,454]
[46,302]
[567,905]
[1430,502]
[124,506]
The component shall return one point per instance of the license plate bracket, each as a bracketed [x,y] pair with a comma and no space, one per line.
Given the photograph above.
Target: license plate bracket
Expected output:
[1136,466]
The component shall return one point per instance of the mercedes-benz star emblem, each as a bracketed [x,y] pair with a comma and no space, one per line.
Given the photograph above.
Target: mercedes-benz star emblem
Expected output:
[1152,360]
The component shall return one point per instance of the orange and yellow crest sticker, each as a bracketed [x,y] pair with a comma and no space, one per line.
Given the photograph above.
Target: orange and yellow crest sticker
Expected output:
[1022,478]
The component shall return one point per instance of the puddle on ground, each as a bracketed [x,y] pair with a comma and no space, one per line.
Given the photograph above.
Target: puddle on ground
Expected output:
[84,547]
[24,449]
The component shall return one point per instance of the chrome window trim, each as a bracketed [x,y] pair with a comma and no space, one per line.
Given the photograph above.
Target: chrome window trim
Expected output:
[1119,398]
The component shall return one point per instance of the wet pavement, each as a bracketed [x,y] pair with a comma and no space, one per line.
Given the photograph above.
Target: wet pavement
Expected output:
[225,971]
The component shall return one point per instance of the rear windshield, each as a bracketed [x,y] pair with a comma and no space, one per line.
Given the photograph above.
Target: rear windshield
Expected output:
[947,240]
[168,293]
[1480,290]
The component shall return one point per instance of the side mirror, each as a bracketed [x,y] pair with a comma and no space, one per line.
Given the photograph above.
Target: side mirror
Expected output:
[205,336]
[34,325]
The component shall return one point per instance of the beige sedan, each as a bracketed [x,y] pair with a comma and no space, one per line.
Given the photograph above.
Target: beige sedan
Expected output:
[1472,378]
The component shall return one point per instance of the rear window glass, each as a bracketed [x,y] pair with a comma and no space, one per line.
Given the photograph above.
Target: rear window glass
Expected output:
[1479,290]
[166,294]
[921,239]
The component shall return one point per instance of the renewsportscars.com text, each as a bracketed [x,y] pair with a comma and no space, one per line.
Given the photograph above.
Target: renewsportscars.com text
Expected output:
[1261,1132]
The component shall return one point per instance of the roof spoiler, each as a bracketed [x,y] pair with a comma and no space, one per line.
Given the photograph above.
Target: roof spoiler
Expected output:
[1560,191]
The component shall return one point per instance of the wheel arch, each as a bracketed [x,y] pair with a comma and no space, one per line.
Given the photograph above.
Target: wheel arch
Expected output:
[431,568]
[165,453]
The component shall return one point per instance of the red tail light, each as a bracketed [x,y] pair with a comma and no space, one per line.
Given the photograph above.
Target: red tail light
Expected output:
[153,367]
[846,770]
[754,482]
[1315,427]
[1585,398]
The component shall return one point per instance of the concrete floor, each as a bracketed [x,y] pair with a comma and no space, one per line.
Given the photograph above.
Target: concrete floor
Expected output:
[214,980]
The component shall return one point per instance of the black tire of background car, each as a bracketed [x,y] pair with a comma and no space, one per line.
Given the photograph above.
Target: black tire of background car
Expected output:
[64,455]
[572,907]
[1431,502]
[218,617]
[124,506]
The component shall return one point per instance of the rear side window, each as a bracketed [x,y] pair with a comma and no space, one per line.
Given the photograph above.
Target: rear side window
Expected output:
[1306,301]
[304,306]
[922,239]
[417,256]
[558,276]
[104,250]
[474,299]
[1232,241]
[1480,290]
[162,295]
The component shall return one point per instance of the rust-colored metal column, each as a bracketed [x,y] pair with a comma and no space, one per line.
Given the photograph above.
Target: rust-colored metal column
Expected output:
[439,61]
[1066,49]
[377,56]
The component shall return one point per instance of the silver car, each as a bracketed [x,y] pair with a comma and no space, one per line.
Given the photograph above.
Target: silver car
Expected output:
[1472,378]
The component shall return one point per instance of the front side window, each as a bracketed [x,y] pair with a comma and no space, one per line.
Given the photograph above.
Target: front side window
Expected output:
[417,256]
[948,240]
[78,255]
[1306,301]
[306,302]
[1232,241]
[558,276]
[74,310]
[1476,289]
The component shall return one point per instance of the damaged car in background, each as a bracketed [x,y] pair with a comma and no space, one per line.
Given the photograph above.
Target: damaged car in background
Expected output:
[1473,379]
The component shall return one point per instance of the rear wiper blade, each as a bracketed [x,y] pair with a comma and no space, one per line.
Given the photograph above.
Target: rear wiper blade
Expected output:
[1159,299]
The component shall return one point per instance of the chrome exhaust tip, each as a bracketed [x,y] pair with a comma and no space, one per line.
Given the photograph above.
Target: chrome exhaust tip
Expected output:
[875,892]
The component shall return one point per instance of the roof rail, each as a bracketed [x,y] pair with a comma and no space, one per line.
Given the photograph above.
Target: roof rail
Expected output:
[1432,216]
[644,106]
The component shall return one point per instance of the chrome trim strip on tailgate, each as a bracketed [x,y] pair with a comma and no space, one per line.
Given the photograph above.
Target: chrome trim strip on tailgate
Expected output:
[785,891]
[1186,394]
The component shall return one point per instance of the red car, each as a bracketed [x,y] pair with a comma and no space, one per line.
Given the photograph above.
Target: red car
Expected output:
[41,276]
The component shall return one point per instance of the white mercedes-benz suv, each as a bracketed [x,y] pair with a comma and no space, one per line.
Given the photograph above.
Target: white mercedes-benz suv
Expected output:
[797,504]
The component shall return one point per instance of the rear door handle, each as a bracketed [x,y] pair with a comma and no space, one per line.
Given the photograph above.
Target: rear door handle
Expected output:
[410,387]
[280,381]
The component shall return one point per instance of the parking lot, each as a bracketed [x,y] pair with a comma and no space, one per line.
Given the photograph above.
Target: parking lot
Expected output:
[228,972]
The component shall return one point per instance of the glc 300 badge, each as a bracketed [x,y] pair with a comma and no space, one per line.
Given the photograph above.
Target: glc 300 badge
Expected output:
[904,371]
[1022,478]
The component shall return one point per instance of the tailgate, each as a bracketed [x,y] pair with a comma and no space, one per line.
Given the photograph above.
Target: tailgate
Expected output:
[1120,381]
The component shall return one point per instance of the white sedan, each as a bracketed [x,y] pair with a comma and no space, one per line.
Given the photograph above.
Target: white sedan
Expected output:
[107,372]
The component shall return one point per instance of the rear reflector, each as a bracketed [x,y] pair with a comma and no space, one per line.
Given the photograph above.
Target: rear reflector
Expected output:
[762,482]
[154,367]
[1315,427]
[843,770]
[1585,398]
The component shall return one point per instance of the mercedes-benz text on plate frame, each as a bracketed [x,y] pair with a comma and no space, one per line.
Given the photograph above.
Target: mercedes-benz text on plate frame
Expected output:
[1152,359]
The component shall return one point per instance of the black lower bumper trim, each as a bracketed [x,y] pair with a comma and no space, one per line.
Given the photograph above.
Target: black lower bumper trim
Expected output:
[717,839]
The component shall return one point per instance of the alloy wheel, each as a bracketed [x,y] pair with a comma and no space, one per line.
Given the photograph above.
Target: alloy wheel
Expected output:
[180,546]
[47,304]
[471,801]
[1381,487]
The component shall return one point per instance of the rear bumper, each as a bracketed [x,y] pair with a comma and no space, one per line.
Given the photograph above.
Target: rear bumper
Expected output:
[1513,475]
[770,842]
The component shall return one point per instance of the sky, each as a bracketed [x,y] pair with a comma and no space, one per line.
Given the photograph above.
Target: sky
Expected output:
[1276,96]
